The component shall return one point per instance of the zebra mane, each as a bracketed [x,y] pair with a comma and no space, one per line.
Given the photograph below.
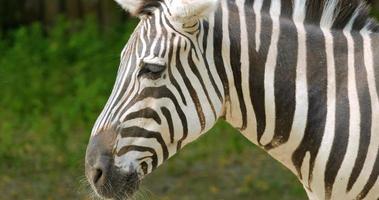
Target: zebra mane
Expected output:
[337,14]
[333,14]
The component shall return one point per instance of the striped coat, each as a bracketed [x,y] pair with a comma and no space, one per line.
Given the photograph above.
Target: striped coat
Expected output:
[298,78]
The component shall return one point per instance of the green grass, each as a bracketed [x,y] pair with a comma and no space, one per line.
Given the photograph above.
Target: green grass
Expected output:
[53,86]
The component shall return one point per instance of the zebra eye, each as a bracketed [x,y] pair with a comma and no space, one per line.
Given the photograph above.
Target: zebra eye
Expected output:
[151,71]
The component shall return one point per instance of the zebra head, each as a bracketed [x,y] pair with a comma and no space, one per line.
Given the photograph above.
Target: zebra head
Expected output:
[162,99]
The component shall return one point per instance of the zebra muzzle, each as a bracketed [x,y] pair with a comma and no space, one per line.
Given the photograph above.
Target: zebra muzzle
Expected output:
[107,180]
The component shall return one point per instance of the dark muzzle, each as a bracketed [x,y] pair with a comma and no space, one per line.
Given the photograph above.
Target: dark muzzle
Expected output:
[105,178]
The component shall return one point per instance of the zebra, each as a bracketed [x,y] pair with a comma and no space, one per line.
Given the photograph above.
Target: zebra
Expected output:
[298,78]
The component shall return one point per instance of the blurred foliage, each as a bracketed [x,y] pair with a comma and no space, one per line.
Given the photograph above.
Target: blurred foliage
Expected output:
[53,86]
[52,83]
[17,13]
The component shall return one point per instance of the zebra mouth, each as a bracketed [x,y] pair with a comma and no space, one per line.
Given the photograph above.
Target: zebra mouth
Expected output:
[106,179]
[115,184]
[118,185]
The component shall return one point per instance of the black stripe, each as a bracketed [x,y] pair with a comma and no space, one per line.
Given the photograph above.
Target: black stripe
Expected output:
[285,84]
[205,46]
[144,113]
[158,46]
[143,133]
[342,115]
[197,74]
[317,98]
[165,35]
[235,57]
[124,86]
[266,7]
[145,36]
[345,15]
[163,92]
[167,114]
[371,180]
[153,33]
[205,29]
[287,10]
[365,110]
[217,45]
[136,44]
[124,150]
[189,86]
[164,4]
[195,70]
[171,76]
[313,9]
[257,65]
[375,173]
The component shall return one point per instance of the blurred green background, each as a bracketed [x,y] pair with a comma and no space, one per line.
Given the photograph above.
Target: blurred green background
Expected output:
[58,62]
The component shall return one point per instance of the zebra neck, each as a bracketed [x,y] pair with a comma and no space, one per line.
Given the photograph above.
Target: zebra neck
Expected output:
[285,82]
[245,47]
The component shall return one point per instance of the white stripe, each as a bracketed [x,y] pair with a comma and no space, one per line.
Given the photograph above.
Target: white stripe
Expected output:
[245,73]
[148,28]
[349,25]
[299,11]
[318,184]
[201,36]
[347,165]
[193,125]
[211,64]
[305,169]
[195,82]
[373,194]
[233,110]
[125,99]
[111,107]
[329,14]
[374,141]
[156,37]
[136,141]
[269,78]
[145,123]
[120,80]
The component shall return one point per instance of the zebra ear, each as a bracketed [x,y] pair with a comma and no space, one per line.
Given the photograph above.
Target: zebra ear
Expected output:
[189,10]
[138,7]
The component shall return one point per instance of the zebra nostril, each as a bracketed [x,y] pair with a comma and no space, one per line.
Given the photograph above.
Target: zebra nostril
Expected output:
[100,171]
[97,176]
[99,160]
